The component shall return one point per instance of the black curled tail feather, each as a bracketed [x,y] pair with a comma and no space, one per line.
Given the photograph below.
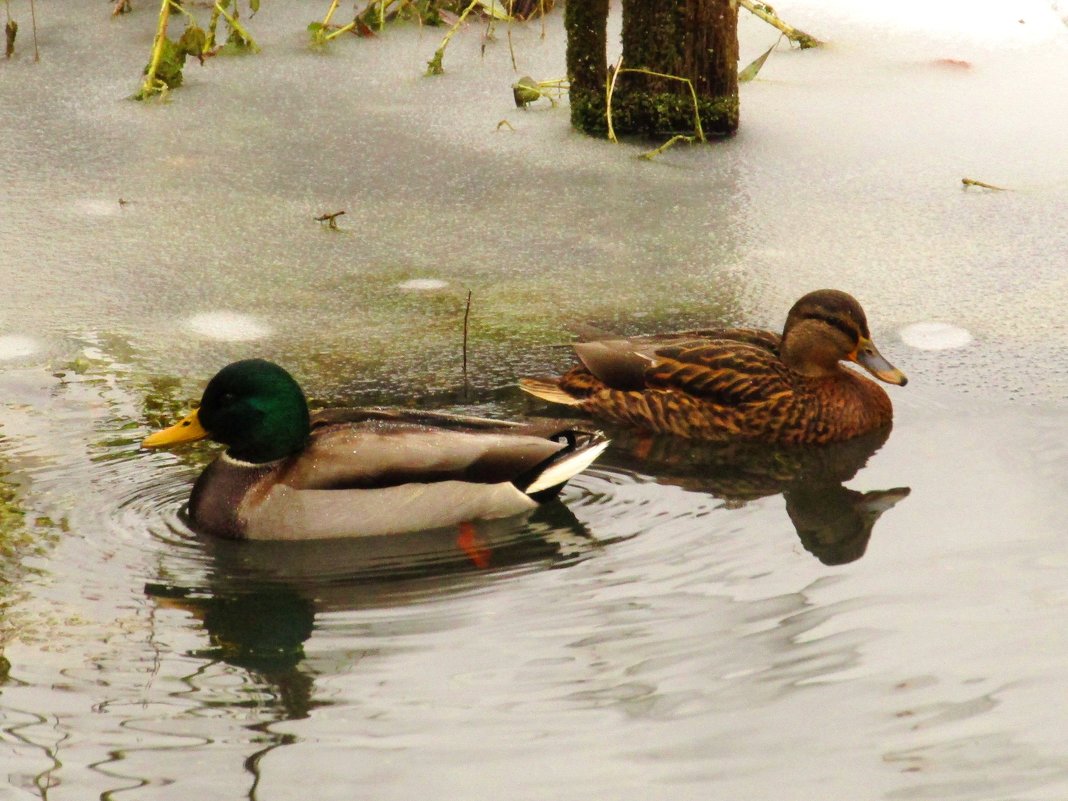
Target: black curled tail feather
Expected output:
[580,448]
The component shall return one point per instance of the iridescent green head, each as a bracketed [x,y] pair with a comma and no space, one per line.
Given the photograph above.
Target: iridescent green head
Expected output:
[252,406]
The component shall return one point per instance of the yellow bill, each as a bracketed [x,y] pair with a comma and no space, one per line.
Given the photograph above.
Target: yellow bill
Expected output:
[188,429]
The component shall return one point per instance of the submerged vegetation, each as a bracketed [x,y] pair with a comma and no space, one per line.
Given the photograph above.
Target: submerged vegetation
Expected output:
[164,69]
[767,13]
[167,61]
[647,103]
[682,87]
[11,30]
[526,90]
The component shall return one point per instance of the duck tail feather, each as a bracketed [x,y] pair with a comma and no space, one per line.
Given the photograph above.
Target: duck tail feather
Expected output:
[549,390]
[548,477]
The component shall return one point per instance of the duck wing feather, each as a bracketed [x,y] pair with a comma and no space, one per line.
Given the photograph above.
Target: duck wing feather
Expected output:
[375,448]
[727,373]
[621,363]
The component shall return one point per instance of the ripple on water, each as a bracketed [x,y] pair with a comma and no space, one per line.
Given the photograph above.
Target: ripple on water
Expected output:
[371,633]
[17,346]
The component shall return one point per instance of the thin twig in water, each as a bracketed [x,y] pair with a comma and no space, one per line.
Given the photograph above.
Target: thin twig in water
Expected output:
[970,182]
[33,23]
[330,219]
[467,315]
[511,49]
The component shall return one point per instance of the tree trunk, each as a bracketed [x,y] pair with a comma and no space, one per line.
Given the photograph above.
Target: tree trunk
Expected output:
[692,39]
[586,22]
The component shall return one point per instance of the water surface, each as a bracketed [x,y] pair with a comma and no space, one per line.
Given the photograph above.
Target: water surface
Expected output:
[879,621]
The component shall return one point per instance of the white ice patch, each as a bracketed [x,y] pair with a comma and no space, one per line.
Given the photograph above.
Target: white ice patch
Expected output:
[423,284]
[935,336]
[227,326]
[96,206]
[16,346]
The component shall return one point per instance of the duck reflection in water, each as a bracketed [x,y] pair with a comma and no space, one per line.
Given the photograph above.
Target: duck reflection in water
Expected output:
[833,522]
[260,601]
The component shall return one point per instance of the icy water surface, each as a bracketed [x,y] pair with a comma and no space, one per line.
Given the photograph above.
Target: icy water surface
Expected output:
[882,619]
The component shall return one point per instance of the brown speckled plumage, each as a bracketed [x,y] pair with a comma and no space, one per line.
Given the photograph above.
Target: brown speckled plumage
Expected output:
[739,383]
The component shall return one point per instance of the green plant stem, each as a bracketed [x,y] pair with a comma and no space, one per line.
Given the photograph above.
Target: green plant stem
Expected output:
[177,6]
[237,26]
[339,31]
[793,34]
[609,91]
[150,85]
[330,12]
[213,23]
[434,66]
[699,132]
[649,155]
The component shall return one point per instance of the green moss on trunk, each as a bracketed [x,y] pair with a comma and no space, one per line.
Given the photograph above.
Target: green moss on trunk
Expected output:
[692,39]
[664,114]
[586,22]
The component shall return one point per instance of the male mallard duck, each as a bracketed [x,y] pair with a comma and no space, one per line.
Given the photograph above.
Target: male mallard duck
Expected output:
[739,383]
[291,475]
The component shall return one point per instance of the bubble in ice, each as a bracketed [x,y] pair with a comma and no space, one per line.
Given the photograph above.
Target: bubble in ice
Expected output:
[423,284]
[935,336]
[97,206]
[227,326]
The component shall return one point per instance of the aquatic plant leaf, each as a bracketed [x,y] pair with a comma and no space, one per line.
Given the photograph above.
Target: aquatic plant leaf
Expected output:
[751,71]
[495,9]
[318,32]
[193,42]
[254,5]
[525,91]
[171,63]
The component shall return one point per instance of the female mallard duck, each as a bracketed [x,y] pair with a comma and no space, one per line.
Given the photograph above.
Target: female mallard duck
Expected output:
[739,383]
[291,475]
